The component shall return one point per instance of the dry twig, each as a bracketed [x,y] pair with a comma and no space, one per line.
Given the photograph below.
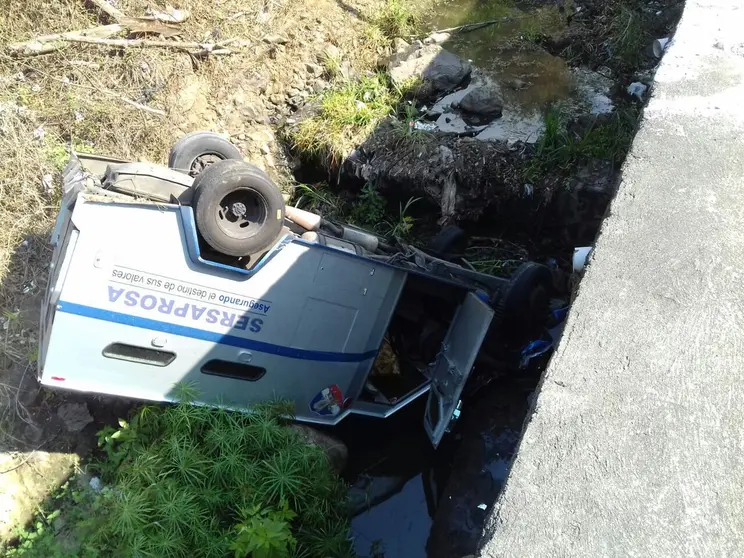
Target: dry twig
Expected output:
[466,28]
[101,36]
[110,93]
[115,15]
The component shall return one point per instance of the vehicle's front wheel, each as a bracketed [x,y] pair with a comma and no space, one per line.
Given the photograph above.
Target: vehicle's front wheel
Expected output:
[238,210]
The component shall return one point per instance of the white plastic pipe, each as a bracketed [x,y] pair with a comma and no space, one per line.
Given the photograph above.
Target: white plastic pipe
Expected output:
[305,219]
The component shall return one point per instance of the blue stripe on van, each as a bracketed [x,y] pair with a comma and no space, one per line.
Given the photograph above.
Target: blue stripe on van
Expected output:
[222,339]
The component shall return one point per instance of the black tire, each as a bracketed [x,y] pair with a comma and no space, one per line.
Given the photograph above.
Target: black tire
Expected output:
[448,243]
[196,151]
[243,229]
[527,298]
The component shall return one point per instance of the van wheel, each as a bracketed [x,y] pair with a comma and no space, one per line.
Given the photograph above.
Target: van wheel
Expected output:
[194,152]
[527,298]
[238,210]
[449,243]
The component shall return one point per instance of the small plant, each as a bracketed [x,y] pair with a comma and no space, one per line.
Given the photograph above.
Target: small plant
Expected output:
[348,114]
[189,480]
[559,151]
[264,532]
[370,208]
[396,19]
[318,199]
[403,227]
[627,36]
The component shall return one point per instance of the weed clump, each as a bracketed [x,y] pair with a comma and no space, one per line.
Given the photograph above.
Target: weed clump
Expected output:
[347,115]
[627,37]
[194,481]
[396,19]
[559,150]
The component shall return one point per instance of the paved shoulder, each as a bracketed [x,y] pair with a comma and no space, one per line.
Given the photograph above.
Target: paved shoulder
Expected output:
[636,444]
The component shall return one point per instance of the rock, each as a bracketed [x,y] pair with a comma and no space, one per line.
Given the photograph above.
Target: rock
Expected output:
[277,99]
[187,96]
[437,38]
[75,416]
[438,69]
[32,433]
[319,86]
[275,39]
[516,84]
[332,52]
[335,450]
[313,69]
[251,111]
[484,100]
[399,45]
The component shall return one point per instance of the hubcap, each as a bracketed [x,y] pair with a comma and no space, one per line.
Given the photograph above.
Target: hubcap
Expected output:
[241,213]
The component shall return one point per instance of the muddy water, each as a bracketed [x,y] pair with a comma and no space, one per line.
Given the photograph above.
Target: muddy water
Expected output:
[530,78]
[411,501]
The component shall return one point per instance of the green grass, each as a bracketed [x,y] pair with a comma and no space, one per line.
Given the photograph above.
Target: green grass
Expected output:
[560,151]
[189,481]
[396,18]
[319,199]
[628,37]
[348,114]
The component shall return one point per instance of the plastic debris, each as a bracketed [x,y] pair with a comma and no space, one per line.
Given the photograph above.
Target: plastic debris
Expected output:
[660,46]
[637,89]
[549,339]
[482,507]
[425,126]
[534,349]
[48,182]
[581,257]
[96,485]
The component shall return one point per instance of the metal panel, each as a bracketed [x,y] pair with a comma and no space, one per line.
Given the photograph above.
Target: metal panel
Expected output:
[453,364]
[131,280]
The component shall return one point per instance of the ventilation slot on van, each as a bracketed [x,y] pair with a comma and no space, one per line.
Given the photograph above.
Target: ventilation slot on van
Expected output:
[140,355]
[237,370]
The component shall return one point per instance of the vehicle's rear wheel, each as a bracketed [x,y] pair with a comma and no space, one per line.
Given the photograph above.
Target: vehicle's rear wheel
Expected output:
[449,243]
[196,151]
[238,210]
[527,298]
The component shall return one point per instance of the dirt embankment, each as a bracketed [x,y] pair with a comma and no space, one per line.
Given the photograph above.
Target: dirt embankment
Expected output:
[131,103]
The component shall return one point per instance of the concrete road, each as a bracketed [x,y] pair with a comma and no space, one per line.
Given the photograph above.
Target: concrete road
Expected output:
[636,443]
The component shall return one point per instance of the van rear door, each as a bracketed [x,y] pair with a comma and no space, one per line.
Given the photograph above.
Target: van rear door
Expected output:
[453,364]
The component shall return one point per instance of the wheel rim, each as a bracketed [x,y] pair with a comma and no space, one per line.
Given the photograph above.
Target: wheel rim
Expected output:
[202,162]
[241,213]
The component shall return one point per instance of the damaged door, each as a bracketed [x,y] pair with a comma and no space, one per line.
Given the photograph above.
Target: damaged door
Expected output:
[453,364]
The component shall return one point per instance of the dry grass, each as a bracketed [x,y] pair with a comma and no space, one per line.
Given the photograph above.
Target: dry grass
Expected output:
[66,96]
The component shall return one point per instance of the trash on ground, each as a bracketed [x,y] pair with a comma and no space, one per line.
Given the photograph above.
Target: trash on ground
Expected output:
[581,258]
[660,45]
[637,89]
[549,339]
